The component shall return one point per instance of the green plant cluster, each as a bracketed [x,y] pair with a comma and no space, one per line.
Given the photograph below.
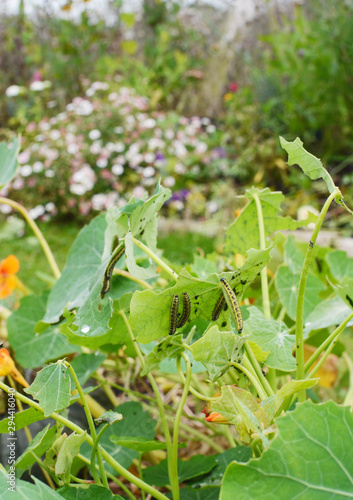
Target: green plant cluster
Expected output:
[106,321]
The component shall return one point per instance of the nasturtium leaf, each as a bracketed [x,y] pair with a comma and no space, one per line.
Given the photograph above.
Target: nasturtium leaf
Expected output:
[68,451]
[136,270]
[23,418]
[33,350]
[218,350]
[241,409]
[136,423]
[214,478]
[150,310]
[140,444]
[85,364]
[84,259]
[311,458]
[87,492]
[109,417]
[293,257]
[39,445]
[329,312]
[243,233]
[8,160]
[157,475]
[259,354]
[25,490]
[203,267]
[171,347]
[287,284]
[51,388]
[272,336]
[207,493]
[341,266]
[169,365]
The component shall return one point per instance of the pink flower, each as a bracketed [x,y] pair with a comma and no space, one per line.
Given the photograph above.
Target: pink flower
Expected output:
[233,87]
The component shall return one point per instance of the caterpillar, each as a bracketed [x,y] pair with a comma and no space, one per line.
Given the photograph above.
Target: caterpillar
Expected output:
[173,315]
[110,268]
[220,304]
[186,310]
[233,304]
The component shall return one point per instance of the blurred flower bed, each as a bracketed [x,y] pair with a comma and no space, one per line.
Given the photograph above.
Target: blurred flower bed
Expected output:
[108,146]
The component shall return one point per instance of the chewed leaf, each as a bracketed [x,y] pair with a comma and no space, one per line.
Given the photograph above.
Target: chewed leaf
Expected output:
[311,166]
[150,310]
[243,233]
[51,388]
[170,348]
[218,350]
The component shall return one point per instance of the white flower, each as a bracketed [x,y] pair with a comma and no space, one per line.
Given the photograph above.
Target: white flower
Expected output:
[5,209]
[13,90]
[39,86]
[26,170]
[18,184]
[84,177]
[102,162]
[94,134]
[119,147]
[38,166]
[39,138]
[96,148]
[24,156]
[49,207]
[180,169]
[55,135]
[169,134]
[169,181]
[149,123]
[138,192]
[212,206]
[72,149]
[117,169]
[37,211]
[98,201]
[118,130]
[201,147]
[210,129]
[148,172]
[205,121]
[49,173]
[178,205]
[149,157]
[78,189]
[90,92]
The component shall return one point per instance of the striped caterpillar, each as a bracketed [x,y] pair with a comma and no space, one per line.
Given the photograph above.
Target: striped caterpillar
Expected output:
[186,310]
[118,253]
[173,315]
[220,304]
[232,300]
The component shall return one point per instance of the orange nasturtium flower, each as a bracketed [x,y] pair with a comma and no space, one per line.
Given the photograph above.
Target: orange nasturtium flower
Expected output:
[213,416]
[8,279]
[8,367]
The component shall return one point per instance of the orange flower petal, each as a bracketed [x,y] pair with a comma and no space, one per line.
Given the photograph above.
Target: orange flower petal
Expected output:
[7,364]
[7,286]
[217,418]
[10,265]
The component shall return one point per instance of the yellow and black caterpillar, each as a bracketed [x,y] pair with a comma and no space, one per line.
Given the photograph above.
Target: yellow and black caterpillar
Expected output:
[110,268]
[186,310]
[233,304]
[173,315]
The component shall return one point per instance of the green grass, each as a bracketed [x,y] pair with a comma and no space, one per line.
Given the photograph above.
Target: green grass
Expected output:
[177,247]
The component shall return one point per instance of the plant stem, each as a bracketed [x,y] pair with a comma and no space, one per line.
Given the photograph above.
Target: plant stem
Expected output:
[139,466]
[37,232]
[155,257]
[178,416]
[264,282]
[126,274]
[255,364]
[172,472]
[191,389]
[301,291]
[327,342]
[109,459]
[262,394]
[93,456]
[91,427]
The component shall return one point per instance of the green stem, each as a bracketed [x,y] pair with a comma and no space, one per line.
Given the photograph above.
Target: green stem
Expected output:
[93,456]
[126,274]
[327,342]
[264,281]
[91,427]
[111,476]
[37,232]
[143,497]
[110,460]
[173,473]
[301,291]
[178,417]
[156,259]
[262,394]
[255,364]
[191,389]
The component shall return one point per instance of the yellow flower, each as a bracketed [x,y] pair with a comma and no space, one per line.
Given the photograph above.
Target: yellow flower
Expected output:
[228,97]
[8,281]
[8,367]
